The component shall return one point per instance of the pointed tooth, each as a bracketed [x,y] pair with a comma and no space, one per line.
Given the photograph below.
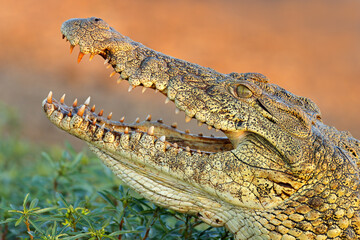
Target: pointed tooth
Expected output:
[81,111]
[187,131]
[80,56]
[174,125]
[71,48]
[199,123]
[101,112]
[175,145]
[75,103]
[167,100]
[198,151]
[119,80]
[94,121]
[162,138]
[177,111]
[187,149]
[91,56]
[102,126]
[148,118]
[187,119]
[137,120]
[86,118]
[109,116]
[216,130]
[62,99]
[87,101]
[209,127]
[126,131]
[93,108]
[108,66]
[49,97]
[106,61]
[113,73]
[156,90]
[143,89]
[122,119]
[151,130]
[131,88]
[69,114]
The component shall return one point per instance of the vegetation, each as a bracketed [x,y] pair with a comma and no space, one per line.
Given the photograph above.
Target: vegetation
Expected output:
[62,194]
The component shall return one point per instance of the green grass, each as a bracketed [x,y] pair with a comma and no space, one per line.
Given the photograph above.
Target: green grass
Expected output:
[62,194]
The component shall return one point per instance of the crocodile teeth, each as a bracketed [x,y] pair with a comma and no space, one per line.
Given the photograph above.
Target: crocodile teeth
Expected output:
[106,61]
[187,119]
[62,99]
[167,100]
[177,111]
[81,111]
[91,56]
[122,119]
[80,56]
[49,97]
[93,108]
[75,103]
[71,48]
[126,131]
[109,116]
[112,74]
[87,101]
[148,118]
[119,80]
[131,88]
[162,138]
[143,89]
[101,112]
[151,130]
[137,120]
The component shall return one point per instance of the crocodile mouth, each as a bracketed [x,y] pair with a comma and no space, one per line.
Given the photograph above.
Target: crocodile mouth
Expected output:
[171,135]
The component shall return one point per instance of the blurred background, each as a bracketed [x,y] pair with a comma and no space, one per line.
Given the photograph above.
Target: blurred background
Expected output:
[310,48]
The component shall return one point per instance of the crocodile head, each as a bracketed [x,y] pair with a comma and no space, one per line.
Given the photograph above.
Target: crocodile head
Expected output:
[277,149]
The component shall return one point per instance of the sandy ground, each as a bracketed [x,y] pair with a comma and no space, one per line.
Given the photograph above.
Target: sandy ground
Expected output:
[310,48]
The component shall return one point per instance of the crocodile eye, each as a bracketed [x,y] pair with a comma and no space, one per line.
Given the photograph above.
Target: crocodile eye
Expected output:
[243,91]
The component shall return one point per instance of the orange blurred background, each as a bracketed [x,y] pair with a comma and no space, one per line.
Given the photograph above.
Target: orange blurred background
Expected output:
[311,48]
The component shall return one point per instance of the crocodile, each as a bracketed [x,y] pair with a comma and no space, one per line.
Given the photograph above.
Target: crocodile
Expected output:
[280,172]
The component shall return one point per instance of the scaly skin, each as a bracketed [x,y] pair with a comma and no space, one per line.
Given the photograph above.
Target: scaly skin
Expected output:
[280,174]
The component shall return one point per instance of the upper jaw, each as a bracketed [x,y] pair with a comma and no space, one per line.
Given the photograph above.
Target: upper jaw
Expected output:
[72,26]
